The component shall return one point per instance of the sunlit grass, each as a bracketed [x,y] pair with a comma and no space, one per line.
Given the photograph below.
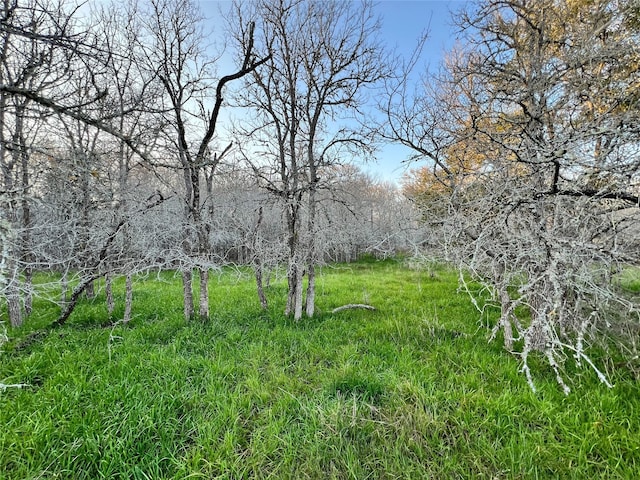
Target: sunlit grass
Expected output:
[630,279]
[411,390]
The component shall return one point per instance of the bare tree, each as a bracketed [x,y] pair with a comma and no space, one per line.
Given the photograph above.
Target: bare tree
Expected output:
[532,133]
[174,44]
[131,85]
[323,55]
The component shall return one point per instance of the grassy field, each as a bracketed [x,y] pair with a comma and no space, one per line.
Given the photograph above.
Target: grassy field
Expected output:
[412,390]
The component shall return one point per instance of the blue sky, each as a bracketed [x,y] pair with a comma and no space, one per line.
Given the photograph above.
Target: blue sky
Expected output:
[403,22]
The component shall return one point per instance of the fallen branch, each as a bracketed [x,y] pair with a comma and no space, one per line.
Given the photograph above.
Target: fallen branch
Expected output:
[351,306]
[4,386]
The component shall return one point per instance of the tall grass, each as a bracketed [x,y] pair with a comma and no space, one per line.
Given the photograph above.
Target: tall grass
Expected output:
[411,390]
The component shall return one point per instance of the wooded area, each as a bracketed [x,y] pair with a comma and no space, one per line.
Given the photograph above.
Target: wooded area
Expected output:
[114,162]
[532,131]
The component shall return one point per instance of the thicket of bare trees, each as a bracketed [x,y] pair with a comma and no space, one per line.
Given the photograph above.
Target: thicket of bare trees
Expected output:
[532,135]
[36,36]
[173,47]
[111,158]
[304,102]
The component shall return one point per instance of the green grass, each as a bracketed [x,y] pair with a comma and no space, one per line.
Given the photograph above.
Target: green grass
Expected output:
[412,390]
[630,279]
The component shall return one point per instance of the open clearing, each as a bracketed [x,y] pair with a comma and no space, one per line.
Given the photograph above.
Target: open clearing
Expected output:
[411,390]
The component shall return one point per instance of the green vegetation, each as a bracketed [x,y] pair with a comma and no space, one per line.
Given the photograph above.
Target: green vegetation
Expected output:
[630,280]
[411,390]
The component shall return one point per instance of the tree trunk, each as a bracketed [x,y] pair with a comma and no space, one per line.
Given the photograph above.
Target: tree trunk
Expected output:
[297,314]
[90,291]
[291,282]
[28,294]
[187,293]
[257,268]
[64,288]
[108,289]
[73,301]
[27,255]
[256,259]
[204,293]
[505,319]
[311,290]
[13,304]
[128,299]
[292,243]
[27,258]
[13,298]
[311,246]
